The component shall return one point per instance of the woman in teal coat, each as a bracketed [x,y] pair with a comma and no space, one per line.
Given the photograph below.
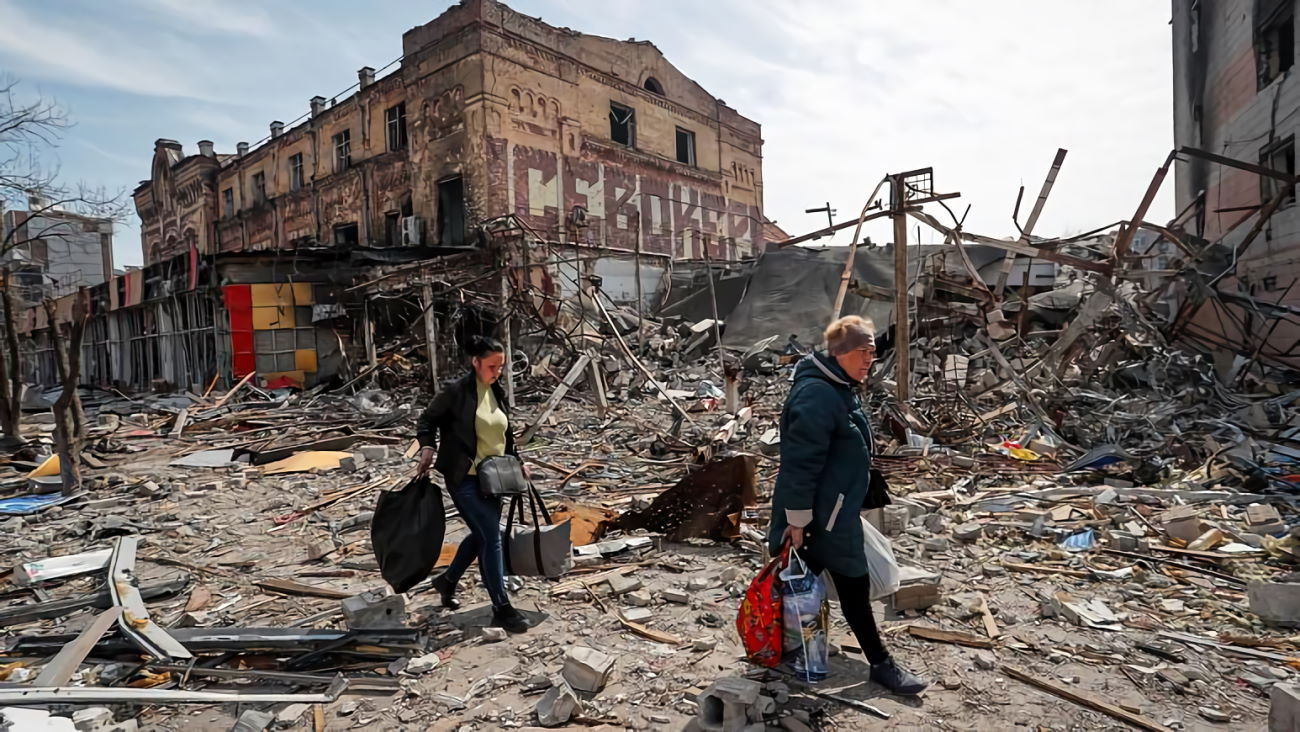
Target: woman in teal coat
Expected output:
[826,449]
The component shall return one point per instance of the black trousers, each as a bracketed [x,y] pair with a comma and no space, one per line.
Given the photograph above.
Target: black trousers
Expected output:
[855,603]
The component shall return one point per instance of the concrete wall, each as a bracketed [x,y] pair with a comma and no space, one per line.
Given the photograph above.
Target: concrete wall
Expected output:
[1220,106]
[63,252]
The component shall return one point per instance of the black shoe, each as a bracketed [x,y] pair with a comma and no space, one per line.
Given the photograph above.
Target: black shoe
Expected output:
[898,680]
[509,618]
[446,592]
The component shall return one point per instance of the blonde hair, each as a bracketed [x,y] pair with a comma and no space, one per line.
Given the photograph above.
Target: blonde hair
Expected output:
[848,333]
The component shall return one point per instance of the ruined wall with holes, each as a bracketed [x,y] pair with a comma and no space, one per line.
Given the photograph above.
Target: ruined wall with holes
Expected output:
[1222,105]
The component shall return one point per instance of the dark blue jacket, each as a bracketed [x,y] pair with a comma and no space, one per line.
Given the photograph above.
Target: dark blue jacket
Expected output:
[826,448]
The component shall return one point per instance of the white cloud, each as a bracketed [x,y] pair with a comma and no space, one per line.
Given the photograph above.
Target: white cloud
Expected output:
[214,16]
[94,55]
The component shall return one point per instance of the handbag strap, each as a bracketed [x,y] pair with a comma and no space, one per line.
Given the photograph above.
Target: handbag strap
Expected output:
[535,498]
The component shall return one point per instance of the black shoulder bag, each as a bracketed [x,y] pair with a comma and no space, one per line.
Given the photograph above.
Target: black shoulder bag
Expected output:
[501,476]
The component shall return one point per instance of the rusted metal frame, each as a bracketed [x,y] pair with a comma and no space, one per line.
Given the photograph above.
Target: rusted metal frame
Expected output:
[134,619]
[60,669]
[1238,164]
[1129,229]
[1104,268]
[953,237]
[847,274]
[1264,215]
[1009,261]
[1241,375]
[1168,233]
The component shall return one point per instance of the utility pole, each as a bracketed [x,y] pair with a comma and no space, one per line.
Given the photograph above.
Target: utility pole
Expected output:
[902,321]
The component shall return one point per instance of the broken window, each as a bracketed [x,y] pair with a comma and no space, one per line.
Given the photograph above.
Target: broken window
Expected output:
[1279,156]
[451,212]
[346,235]
[653,86]
[395,119]
[295,172]
[228,203]
[1274,43]
[259,188]
[685,146]
[392,228]
[622,124]
[342,151]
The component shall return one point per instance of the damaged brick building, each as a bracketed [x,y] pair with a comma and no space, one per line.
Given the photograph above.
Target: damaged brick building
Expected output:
[1236,101]
[491,127]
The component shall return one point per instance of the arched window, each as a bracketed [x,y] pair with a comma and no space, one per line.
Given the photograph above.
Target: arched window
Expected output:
[653,86]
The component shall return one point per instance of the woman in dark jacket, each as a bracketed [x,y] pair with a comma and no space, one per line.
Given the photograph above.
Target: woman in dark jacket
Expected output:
[470,415]
[826,449]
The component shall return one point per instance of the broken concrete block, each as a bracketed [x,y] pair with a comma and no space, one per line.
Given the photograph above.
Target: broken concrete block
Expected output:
[558,705]
[638,614]
[725,705]
[318,549]
[894,519]
[253,721]
[762,706]
[1262,518]
[587,669]
[424,664]
[918,589]
[968,531]
[108,421]
[374,610]
[698,584]
[621,584]
[348,464]
[1276,603]
[1284,708]
[704,644]
[374,452]
[640,598]
[494,635]
[935,545]
[675,596]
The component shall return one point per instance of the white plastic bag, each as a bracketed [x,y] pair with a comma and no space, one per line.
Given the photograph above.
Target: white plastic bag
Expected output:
[806,620]
[881,564]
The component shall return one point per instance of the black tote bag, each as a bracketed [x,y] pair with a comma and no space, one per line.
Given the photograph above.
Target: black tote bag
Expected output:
[407,532]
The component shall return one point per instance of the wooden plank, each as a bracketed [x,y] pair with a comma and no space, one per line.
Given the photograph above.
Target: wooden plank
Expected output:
[181,419]
[59,671]
[226,397]
[657,636]
[1212,556]
[949,636]
[289,587]
[1085,699]
[1018,567]
[571,378]
[990,625]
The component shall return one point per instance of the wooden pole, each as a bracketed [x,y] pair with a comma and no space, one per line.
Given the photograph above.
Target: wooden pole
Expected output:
[717,327]
[507,340]
[902,321]
[640,296]
[430,331]
[847,274]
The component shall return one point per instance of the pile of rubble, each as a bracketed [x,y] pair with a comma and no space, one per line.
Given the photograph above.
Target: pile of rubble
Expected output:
[1090,515]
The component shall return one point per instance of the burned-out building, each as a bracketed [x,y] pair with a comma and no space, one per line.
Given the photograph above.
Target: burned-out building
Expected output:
[1236,101]
[492,133]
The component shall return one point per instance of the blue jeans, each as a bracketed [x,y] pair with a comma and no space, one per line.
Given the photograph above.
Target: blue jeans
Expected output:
[483,517]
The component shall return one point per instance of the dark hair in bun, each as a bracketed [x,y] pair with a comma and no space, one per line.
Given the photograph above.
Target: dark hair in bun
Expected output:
[480,346]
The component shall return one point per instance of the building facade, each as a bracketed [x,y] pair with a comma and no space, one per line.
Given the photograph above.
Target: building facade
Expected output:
[1236,95]
[55,253]
[488,113]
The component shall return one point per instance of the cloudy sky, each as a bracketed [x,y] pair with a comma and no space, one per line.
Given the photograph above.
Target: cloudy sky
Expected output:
[846,91]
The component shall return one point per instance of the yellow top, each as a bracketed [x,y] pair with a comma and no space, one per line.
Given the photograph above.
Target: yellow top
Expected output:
[490,424]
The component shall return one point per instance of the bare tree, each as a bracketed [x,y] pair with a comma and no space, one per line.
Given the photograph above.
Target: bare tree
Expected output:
[30,130]
[69,422]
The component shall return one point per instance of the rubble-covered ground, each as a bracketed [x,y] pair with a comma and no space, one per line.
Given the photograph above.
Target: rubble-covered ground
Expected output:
[1113,549]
